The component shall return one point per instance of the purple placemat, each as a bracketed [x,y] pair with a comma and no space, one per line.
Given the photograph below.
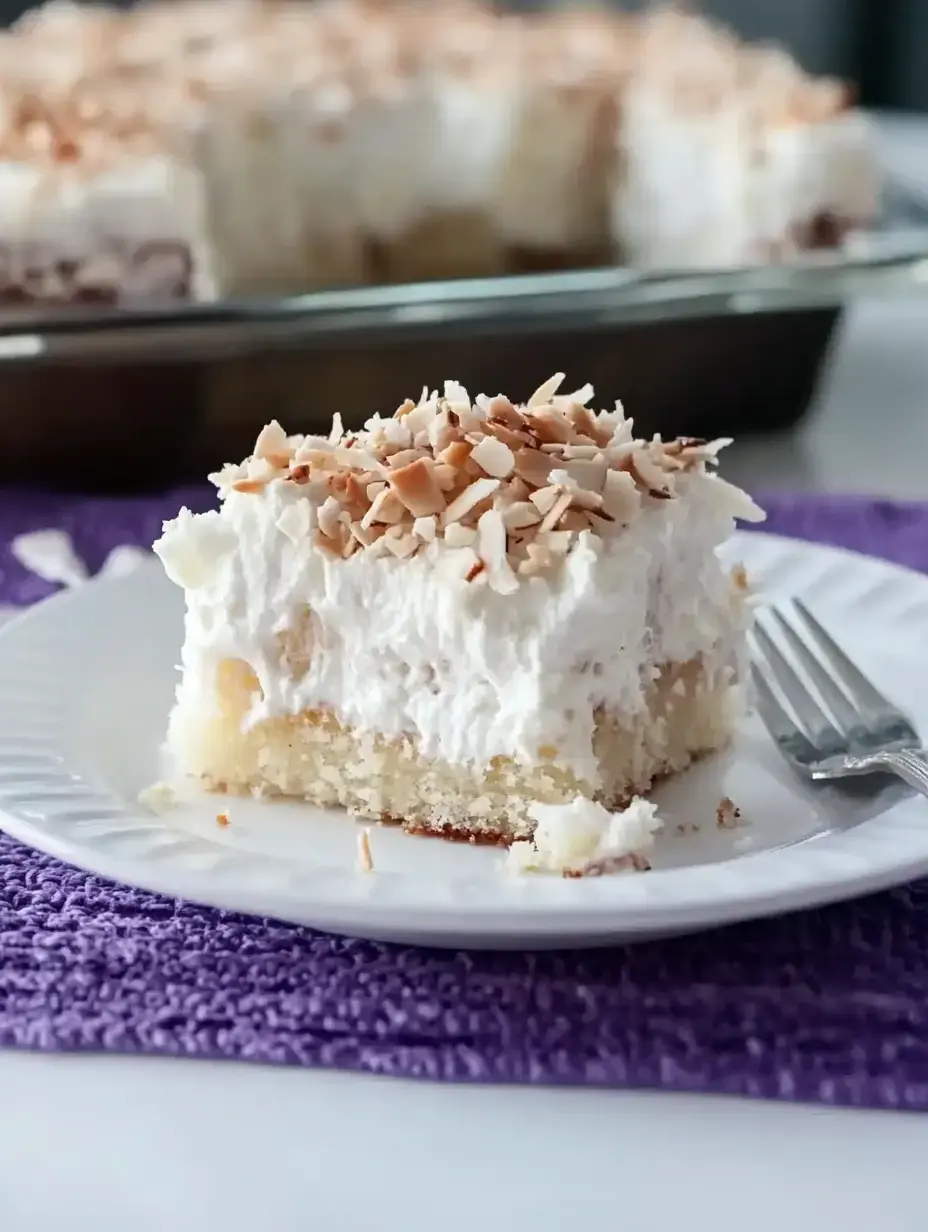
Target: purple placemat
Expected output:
[827,1005]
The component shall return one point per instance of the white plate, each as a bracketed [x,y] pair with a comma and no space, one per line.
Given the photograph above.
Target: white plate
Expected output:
[87,678]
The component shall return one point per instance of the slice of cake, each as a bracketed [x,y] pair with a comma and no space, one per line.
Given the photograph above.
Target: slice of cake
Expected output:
[457,612]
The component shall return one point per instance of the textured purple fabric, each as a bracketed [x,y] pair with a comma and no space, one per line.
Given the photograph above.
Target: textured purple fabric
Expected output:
[827,1005]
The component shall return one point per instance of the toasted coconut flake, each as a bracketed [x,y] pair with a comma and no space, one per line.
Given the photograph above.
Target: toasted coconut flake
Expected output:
[539,559]
[441,432]
[373,490]
[328,517]
[446,476]
[298,474]
[557,542]
[544,393]
[581,396]
[583,499]
[398,460]
[503,411]
[621,498]
[509,436]
[733,501]
[583,452]
[404,408]
[520,515]
[476,569]
[417,488]
[250,485]
[684,442]
[491,547]
[387,508]
[533,466]
[366,535]
[575,520]
[739,579]
[580,497]
[545,498]
[494,457]
[402,546]
[318,459]
[272,443]
[332,547]
[589,474]
[551,426]
[648,475]
[557,510]
[425,528]
[472,495]
[356,492]
[458,536]
[581,419]
[456,454]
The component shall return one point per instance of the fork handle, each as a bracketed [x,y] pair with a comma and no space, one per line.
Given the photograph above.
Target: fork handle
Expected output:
[909,766]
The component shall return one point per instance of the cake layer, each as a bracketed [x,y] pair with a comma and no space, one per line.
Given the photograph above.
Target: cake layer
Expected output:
[313,756]
[344,141]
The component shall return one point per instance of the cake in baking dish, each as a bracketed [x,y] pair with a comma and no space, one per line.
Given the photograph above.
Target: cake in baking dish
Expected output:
[463,610]
[206,148]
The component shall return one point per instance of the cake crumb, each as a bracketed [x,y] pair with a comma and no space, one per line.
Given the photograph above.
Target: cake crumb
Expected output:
[365,859]
[740,579]
[583,839]
[727,815]
[159,797]
[222,819]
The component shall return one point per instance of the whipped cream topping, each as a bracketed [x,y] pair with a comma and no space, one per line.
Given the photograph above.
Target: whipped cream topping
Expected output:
[730,155]
[584,839]
[446,624]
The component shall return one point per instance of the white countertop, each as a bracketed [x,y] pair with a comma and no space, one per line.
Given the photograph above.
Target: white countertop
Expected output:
[107,1144]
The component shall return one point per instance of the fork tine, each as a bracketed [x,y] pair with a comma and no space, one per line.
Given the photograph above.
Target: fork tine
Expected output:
[776,717]
[818,726]
[851,677]
[836,700]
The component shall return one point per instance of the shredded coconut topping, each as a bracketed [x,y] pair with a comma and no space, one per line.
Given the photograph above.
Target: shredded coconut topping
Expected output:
[513,488]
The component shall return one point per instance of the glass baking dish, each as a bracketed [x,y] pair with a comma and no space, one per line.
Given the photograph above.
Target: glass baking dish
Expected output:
[135,397]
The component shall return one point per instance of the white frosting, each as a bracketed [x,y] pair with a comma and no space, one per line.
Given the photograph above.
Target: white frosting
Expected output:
[410,646]
[582,835]
[681,201]
[91,213]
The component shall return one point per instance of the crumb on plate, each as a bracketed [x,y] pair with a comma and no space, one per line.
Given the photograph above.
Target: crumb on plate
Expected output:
[583,839]
[727,815]
[158,797]
[740,579]
[365,859]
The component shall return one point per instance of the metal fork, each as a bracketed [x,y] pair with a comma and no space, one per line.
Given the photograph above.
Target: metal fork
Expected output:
[845,726]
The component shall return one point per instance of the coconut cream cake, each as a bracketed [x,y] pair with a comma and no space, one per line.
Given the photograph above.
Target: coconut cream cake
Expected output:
[208,148]
[464,610]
